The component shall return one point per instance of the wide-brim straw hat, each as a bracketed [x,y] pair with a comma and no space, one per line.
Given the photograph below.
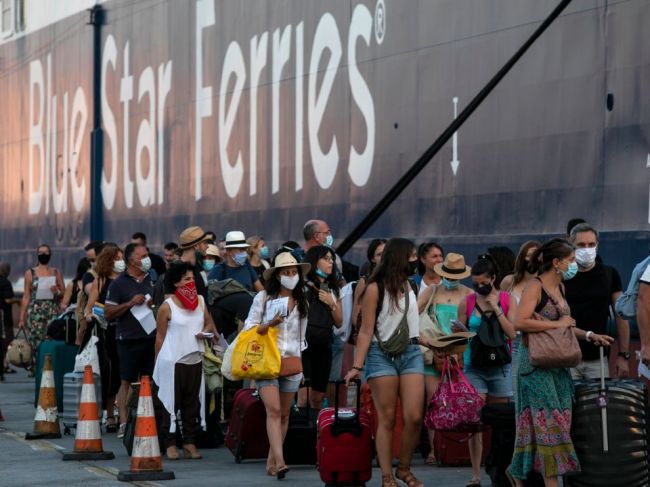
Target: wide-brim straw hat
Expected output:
[192,236]
[453,267]
[456,343]
[285,259]
[236,240]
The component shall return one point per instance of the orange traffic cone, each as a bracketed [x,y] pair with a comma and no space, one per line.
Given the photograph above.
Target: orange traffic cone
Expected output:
[146,463]
[46,420]
[88,438]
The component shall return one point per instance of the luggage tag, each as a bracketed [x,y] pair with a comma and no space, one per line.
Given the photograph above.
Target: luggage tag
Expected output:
[602,400]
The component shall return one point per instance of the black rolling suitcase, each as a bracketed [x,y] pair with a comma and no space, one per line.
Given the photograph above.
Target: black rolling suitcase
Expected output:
[610,433]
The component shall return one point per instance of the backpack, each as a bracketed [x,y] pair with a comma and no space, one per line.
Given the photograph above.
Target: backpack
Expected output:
[319,322]
[82,298]
[220,289]
[626,302]
[489,348]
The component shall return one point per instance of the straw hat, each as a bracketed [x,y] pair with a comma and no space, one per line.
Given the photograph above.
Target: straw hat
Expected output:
[236,240]
[192,236]
[453,267]
[285,259]
[456,343]
[213,251]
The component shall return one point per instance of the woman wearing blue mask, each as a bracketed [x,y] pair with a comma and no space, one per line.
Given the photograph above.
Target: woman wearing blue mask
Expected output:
[544,395]
[325,312]
[258,255]
[441,303]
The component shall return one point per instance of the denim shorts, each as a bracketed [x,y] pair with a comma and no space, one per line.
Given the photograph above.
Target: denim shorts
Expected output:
[494,381]
[379,364]
[285,384]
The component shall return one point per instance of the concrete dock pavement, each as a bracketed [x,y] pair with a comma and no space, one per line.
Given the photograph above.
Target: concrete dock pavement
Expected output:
[38,463]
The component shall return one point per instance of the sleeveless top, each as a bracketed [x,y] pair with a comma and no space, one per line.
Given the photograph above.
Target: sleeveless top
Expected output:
[180,346]
[390,316]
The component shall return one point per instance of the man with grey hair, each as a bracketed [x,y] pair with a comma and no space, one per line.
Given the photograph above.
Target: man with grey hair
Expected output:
[592,295]
[317,232]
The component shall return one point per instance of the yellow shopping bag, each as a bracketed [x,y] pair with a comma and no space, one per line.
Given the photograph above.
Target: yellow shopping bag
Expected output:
[256,356]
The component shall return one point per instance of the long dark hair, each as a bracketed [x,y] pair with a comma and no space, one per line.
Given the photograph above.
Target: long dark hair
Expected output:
[504,258]
[393,269]
[272,287]
[556,248]
[423,250]
[521,265]
[370,253]
[82,267]
[312,257]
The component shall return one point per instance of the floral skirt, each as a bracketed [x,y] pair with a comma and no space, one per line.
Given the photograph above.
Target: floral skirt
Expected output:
[544,401]
[39,315]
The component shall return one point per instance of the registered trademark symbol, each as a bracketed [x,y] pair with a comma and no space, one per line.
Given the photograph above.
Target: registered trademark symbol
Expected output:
[380,21]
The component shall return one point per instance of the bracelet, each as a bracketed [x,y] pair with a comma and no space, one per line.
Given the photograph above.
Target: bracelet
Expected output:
[360,369]
[588,335]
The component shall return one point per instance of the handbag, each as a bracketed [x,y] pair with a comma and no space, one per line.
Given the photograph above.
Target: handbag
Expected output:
[88,356]
[399,339]
[429,328]
[455,406]
[555,347]
[290,366]
[19,351]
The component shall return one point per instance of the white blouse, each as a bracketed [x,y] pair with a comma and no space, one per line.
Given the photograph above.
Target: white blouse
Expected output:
[390,316]
[291,332]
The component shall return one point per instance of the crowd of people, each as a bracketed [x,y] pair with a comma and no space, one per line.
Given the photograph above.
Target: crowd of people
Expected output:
[151,317]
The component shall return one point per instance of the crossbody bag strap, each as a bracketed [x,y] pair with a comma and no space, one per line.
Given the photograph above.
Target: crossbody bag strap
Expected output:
[403,322]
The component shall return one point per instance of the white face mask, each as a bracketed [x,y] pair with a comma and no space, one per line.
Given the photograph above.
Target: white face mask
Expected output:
[289,282]
[586,257]
[145,264]
[119,266]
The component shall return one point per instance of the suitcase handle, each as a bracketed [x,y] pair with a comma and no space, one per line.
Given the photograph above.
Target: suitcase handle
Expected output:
[354,425]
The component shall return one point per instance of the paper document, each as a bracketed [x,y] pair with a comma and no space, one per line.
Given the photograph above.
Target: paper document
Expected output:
[276,306]
[644,371]
[43,290]
[144,315]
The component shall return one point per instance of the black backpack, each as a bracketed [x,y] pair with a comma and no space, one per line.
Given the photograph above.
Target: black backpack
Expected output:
[319,321]
[489,347]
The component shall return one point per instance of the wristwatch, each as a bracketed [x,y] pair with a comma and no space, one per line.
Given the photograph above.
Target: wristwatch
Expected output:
[625,355]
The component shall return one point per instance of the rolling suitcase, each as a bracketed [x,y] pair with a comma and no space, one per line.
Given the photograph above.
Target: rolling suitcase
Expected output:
[300,443]
[72,382]
[246,437]
[368,406]
[610,432]
[63,357]
[452,448]
[344,445]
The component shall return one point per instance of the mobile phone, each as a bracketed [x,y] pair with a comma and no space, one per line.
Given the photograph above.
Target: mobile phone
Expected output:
[458,324]
[207,334]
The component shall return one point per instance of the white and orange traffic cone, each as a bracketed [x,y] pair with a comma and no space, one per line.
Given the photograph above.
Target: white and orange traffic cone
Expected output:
[46,420]
[146,463]
[88,438]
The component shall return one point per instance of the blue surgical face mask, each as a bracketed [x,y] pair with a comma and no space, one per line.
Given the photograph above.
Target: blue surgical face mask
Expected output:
[320,273]
[329,241]
[240,259]
[264,253]
[208,265]
[450,284]
[571,271]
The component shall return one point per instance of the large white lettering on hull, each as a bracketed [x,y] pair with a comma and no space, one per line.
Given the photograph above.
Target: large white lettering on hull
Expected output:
[277,52]
[53,168]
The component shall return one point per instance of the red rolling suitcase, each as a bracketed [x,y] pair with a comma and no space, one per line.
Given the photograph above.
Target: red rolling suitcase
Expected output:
[246,437]
[344,445]
[452,449]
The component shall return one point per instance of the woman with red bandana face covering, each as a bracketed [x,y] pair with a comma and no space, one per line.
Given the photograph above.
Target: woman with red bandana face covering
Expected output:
[182,325]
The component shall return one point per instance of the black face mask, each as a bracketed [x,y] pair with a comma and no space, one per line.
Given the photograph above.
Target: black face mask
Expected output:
[44,258]
[483,290]
[413,267]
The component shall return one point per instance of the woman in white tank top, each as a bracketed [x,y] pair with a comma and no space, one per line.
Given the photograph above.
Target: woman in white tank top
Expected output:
[388,304]
[181,326]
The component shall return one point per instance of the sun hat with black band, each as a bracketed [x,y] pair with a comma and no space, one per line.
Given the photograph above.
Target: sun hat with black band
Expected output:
[285,259]
[192,236]
[453,267]
[236,240]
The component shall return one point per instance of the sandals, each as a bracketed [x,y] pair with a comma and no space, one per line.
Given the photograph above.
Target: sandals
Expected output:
[388,481]
[282,472]
[431,459]
[111,425]
[474,483]
[191,453]
[405,475]
[172,453]
[271,471]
